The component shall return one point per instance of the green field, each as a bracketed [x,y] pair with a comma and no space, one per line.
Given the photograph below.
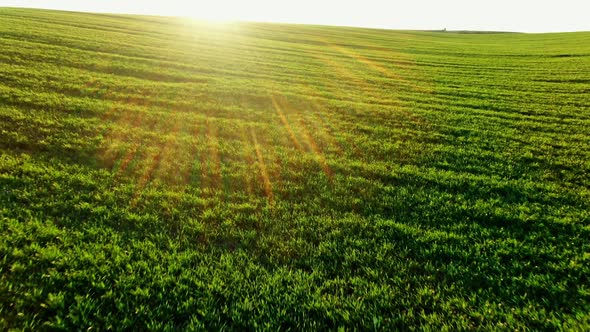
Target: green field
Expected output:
[160,173]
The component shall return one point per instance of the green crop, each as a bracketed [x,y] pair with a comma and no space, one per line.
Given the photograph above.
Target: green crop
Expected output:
[163,174]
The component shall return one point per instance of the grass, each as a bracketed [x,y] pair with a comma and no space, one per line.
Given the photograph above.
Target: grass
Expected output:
[157,173]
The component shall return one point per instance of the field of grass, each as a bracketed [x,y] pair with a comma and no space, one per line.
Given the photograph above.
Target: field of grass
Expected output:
[158,173]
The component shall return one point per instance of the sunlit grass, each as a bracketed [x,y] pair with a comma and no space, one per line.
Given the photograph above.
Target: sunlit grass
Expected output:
[164,173]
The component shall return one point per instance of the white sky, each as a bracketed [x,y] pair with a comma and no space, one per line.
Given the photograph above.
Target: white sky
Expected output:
[506,15]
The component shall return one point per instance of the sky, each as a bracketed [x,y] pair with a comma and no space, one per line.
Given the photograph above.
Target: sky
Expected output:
[497,15]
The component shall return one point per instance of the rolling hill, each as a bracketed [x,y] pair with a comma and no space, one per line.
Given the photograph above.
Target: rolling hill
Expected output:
[161,173]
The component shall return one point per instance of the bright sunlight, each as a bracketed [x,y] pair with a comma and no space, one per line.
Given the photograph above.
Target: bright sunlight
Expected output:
[162,173]
[500,15]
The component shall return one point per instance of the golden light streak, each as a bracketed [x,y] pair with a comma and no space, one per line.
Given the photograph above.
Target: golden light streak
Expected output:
[127,119]
[319,114]
[263,170]
[153,161]
[249,160]
[195,132]
[169,151]
[210,159]
[318,155]
[388,73]
[344,73]
[310,142]
[364,85]
[153,164]
[286,123]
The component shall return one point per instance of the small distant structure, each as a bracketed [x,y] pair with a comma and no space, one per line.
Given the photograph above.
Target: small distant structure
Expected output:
[444,30]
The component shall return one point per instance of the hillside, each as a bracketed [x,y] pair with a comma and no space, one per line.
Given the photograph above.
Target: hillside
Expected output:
[160,173]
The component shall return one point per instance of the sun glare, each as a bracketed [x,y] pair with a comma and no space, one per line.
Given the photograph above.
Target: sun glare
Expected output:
[215,13]
[499,15]
[219,11]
